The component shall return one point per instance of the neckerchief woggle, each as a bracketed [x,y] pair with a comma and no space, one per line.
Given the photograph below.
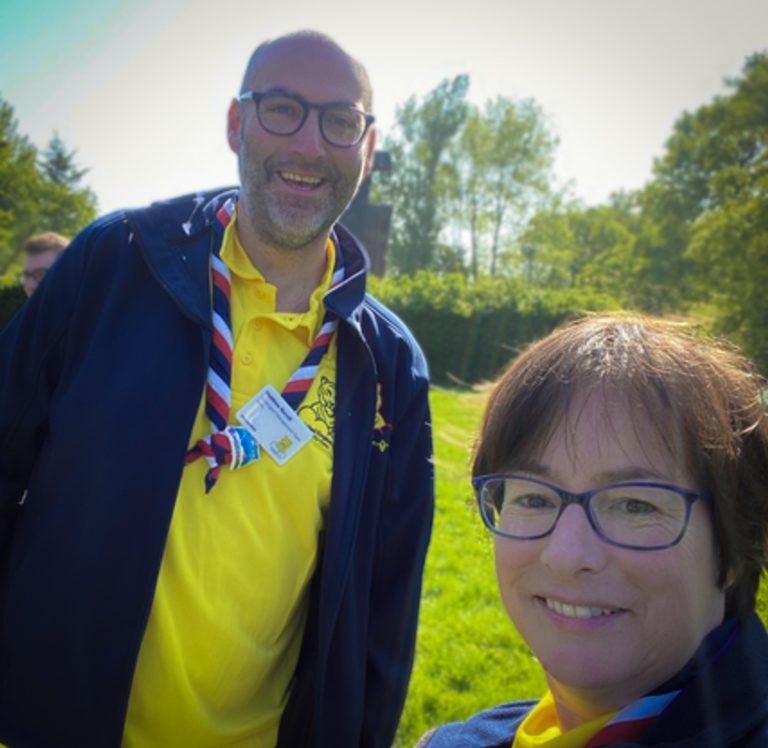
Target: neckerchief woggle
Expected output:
[236,446]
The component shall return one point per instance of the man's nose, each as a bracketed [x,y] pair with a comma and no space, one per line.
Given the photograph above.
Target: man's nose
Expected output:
[309,138]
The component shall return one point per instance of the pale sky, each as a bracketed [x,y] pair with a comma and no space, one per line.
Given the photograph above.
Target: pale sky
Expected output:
[140,88]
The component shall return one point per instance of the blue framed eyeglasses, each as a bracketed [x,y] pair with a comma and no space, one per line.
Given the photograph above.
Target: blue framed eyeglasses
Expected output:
[640,515]
[282,114]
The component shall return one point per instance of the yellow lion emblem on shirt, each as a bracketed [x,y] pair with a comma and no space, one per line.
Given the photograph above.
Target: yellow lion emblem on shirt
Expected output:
[319,416]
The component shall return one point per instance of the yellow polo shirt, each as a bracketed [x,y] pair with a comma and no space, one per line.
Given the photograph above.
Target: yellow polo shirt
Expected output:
[230,606]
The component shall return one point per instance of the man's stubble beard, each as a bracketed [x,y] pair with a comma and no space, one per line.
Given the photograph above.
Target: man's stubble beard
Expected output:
[284,223]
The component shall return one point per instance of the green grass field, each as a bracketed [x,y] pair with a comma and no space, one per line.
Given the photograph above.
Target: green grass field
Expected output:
[468,655]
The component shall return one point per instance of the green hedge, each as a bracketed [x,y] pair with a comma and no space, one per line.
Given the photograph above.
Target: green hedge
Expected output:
[12,296]
[470,331]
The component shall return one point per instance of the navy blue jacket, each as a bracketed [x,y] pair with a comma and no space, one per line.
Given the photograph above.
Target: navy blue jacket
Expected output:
[102,374]
[723,706]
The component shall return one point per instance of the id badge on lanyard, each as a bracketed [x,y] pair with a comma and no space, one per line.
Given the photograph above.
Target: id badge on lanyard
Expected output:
[275,425]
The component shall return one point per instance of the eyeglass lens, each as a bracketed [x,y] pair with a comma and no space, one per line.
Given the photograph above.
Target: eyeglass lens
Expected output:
[35,275]
[284,115]
[635,515]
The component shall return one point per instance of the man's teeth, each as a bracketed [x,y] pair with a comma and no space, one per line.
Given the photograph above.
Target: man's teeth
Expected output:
[578,611]
[301,178]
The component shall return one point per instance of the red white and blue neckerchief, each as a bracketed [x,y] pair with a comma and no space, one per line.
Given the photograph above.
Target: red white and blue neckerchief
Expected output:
[632,721]
[630,724]
[234,445]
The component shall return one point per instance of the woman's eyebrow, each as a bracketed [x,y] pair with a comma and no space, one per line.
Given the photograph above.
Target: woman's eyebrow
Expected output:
[630,473]
[532,467]
[603,478]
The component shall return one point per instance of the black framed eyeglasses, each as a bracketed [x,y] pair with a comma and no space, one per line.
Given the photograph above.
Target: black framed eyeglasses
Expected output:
[282,114]
[640,515]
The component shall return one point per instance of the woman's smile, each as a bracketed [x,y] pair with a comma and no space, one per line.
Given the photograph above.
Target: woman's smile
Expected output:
[578,611]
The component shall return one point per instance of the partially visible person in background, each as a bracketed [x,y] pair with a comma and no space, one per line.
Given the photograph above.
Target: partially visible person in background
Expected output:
[40,252]
[622,468]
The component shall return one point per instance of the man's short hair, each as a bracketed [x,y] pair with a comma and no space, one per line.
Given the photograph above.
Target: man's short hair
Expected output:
[317,36]
[703,400]
[45,242]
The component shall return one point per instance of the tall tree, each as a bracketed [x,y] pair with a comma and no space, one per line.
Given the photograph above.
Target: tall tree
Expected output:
[420,178]
[713,162]
[37,194]
[504,161]
[695,238]
[20,183]
[59,165]
[721,151]
[591,249]
[67,205]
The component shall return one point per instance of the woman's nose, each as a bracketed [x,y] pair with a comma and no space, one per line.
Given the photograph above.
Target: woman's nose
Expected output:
[574,546]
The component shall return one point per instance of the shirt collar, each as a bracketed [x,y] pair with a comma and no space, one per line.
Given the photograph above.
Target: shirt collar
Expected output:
[238,262]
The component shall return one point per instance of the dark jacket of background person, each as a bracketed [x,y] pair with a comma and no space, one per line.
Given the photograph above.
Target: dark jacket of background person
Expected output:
[12,299]
[725,706]
[123,338]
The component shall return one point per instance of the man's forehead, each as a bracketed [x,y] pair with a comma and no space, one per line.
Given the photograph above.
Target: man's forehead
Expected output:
[311,68]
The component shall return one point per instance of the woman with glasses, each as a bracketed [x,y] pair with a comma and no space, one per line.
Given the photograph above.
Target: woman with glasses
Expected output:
[622,468]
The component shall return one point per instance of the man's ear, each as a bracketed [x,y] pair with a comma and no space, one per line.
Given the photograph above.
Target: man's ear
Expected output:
[233,126]
[369,156]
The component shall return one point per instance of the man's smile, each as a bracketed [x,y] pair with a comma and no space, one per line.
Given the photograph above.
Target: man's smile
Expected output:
[302,181]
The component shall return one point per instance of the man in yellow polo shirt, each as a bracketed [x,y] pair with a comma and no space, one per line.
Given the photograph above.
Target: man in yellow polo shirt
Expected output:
[215,476]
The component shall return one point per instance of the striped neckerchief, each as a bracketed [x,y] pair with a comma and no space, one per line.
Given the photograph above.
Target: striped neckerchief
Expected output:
[234,445]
